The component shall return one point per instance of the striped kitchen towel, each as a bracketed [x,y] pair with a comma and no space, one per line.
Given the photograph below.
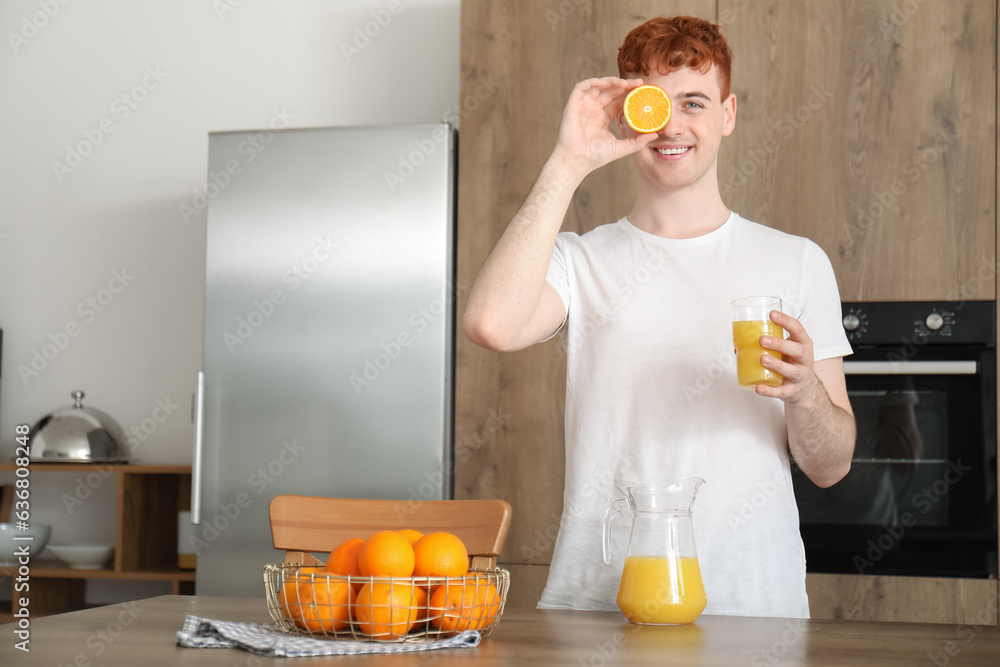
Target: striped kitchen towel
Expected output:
[268,640]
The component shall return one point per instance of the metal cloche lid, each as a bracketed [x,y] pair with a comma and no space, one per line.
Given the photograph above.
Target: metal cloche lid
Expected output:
[77,433]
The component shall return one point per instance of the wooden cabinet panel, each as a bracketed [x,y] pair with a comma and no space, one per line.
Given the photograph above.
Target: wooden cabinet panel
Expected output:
[870,127]
[906,599]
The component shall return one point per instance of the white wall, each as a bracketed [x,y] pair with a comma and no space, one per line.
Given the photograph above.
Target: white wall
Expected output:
[187,67]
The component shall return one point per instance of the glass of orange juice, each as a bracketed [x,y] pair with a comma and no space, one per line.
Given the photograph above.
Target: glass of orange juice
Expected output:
[751,320]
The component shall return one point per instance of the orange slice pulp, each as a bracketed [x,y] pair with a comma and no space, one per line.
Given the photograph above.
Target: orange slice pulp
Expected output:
[647,108]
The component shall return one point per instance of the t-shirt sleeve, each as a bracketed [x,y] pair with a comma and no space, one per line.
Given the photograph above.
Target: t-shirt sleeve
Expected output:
[558,277]
[821,313]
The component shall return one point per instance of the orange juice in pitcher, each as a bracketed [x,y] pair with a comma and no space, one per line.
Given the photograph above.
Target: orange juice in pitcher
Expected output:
[660,590]
[661,581]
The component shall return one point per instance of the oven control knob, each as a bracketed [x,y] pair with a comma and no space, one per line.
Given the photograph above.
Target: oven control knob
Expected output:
[851,322]
[934,321]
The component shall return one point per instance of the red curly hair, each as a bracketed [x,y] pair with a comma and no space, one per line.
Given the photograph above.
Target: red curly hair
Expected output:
[668,44]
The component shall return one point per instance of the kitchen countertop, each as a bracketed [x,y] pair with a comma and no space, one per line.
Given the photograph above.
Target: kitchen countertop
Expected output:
[143,633]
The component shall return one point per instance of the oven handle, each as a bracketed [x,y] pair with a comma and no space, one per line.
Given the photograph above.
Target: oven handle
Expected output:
[910,367]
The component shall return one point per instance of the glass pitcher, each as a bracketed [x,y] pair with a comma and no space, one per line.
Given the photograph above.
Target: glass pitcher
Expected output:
[661,582]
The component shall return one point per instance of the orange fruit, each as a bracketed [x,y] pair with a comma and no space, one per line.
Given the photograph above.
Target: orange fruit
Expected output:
[383,609]
[440,555]
[288,597]
[386,554]
[326,604]
[344,560]
[419,605]
[411,535]
[472,605]
[647,108]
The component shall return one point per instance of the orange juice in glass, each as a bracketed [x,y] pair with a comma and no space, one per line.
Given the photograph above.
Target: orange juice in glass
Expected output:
[751,320]
[661,590]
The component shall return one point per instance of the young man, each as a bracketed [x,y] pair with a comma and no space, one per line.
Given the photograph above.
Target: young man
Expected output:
[643,309]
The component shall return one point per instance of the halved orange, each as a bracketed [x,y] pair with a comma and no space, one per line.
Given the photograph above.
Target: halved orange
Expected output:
[647,109]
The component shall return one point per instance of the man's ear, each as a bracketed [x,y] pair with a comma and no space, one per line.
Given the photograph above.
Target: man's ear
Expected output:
[729,115]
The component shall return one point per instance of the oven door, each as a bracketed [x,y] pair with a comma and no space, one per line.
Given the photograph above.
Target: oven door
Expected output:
[920,498]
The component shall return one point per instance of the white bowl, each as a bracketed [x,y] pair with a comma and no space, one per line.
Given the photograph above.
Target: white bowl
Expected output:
[83,556]
[10,548]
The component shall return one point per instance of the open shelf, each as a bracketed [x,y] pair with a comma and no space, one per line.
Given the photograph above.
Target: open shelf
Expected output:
[147,496]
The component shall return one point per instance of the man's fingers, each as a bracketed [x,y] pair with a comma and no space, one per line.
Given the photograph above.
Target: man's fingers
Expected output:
[608,84]
[640,141]
[787,322]
[790,372]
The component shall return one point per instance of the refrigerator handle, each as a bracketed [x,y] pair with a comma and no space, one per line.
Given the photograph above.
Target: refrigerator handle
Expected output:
[198,410]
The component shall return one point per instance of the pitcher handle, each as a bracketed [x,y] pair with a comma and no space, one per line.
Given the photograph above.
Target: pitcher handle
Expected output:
[616,508]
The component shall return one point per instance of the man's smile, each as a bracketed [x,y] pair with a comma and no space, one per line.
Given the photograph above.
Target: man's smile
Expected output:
[673,151]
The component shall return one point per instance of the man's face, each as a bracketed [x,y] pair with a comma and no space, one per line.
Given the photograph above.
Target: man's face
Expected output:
[686,149]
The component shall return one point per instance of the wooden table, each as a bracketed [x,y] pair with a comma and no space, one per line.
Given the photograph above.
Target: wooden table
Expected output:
[142,634]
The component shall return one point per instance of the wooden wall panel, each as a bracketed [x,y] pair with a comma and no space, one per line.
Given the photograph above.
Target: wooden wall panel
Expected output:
[902,599]
[870,127]
[537,50]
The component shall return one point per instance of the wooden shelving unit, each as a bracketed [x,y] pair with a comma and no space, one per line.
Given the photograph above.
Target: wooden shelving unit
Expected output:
[148,500]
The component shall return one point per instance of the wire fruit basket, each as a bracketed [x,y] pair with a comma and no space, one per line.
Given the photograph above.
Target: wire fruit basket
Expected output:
[306,600]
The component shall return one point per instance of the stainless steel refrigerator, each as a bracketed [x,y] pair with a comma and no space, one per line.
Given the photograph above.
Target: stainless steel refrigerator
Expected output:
[329,331]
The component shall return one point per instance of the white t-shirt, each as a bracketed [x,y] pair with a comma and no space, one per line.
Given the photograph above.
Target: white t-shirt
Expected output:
[652,398]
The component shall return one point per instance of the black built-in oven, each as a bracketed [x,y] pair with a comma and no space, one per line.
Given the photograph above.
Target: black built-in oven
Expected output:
[921,496]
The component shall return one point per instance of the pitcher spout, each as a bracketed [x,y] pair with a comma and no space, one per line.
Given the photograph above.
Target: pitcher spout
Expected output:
[677,497]
[686,489]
